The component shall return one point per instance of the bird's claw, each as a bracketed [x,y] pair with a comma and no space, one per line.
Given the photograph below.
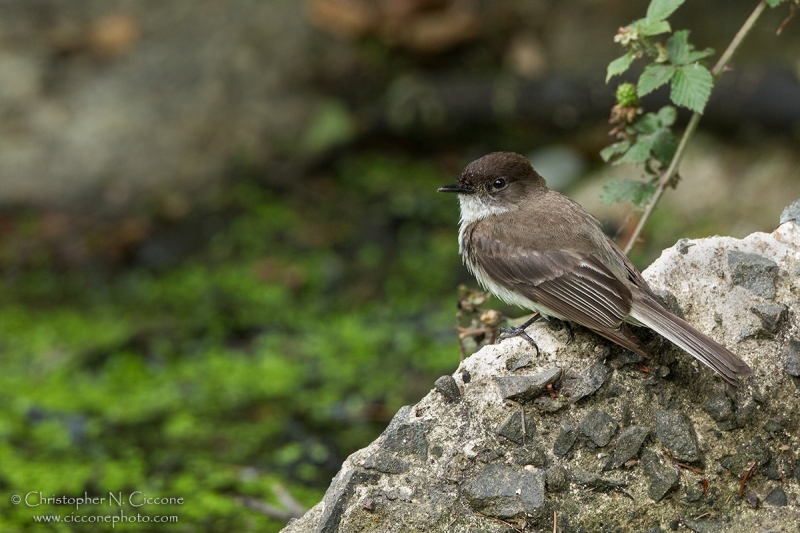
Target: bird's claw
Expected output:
[519,331]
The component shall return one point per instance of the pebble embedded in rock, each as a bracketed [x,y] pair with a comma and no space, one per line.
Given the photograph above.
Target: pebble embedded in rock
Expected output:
[753,450]
[675,432]
[566,438]
[385,462]
[719,407]
[407,439]
[448,387]
[599,427]
[337,496]
[503,492]
[586,383]
[628,443]
[521,388]
[771,316]
[661,478]
[753,499]
[753,272]
[517,427]
[556,478]
[793,359]
[548,404]
[776,497]
[588,479]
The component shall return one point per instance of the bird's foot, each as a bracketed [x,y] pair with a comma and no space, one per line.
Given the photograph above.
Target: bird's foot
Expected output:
[519,331]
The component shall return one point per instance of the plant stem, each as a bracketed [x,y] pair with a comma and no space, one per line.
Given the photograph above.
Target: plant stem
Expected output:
[672,169]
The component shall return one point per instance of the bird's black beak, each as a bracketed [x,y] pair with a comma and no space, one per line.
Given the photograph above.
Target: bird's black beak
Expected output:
[455,187]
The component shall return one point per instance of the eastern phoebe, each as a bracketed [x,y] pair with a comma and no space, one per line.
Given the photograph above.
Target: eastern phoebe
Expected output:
[537,249]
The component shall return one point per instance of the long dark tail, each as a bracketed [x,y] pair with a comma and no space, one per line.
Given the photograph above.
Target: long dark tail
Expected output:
[653,315]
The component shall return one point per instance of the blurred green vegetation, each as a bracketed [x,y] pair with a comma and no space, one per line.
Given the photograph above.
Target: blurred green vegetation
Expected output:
[267,356]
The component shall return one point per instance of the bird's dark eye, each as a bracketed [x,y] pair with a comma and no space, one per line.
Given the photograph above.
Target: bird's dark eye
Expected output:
[499,183]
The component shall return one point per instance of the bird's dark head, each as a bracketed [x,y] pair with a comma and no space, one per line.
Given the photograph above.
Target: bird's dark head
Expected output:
[497,181]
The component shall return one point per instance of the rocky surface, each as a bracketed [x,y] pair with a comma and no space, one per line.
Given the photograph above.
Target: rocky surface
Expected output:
[589,438]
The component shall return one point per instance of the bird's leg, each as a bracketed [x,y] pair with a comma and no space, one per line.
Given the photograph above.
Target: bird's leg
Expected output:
[519,331]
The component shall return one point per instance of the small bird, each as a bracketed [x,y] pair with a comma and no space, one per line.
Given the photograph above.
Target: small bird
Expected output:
[539,250]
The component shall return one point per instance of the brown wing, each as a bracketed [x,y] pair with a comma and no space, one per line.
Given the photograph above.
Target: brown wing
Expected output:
[574,286]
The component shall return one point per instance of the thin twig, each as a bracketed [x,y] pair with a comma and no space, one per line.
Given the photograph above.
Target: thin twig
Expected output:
[667,176]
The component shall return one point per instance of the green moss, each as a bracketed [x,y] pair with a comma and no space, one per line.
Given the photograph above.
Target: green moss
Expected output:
[267,356]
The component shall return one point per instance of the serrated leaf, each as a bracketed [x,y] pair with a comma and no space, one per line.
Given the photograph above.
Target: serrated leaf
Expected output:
[667,115]
[664,146]
[648,123]
[617,148]
[691,87]
[681,52]
[678,46]
[619,65]
[661,9]
[653,77]
[648,28]
[636,192]
[638,153]
[696,55]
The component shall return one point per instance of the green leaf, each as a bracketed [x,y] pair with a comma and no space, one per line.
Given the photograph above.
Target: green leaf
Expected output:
[617,148]
[661,9]
[664,145]
[691,87]
[681,52]
[678,46]
[636,192]
[638,153]
[619,65]
[667,115]
[653,77]
[775,3]
[649,123]
[648,28]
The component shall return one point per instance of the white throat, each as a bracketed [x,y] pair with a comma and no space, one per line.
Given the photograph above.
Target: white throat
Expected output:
[475,207]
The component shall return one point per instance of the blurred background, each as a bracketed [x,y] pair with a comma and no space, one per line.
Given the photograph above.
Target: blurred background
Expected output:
[224,263]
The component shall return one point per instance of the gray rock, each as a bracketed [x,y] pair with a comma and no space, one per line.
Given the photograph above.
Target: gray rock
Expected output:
[776,497]
[752,499]
[586,383]
[338,495]
[520,362]
[676,433]
[599,427]
[588,479]
[517,427]
[793,359]
[521,388]
[407,439]
[771,316]
[503,492]
[628,443]
[567,436]
[746,454]
[387,463]
[753,272]
[719,407]
[449,388]
[791,213]
[557,478]
[549,404]
[661,478]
